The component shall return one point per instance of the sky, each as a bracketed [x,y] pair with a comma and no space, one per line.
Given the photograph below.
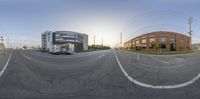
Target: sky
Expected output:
[23,21]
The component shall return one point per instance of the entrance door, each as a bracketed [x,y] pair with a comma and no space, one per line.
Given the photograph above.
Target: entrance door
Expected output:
[173,47]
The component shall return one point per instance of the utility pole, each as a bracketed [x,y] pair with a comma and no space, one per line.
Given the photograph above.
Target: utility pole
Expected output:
[190,21]
[94,39]
[121,40]
[101,41]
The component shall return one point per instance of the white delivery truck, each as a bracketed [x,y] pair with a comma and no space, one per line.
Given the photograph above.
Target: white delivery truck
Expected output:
[67,48]
[55,49]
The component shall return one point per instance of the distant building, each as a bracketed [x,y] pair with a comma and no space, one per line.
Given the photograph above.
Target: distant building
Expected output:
[159,41]
[2,46]
[196,47]
[60,38]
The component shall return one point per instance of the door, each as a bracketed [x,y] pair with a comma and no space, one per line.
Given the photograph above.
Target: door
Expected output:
[173,47]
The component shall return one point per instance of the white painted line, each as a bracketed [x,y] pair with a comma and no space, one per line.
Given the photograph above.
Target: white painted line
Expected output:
[159,60]
[27,57]
[101,56]
[155,86]
[4,68]
[165,67]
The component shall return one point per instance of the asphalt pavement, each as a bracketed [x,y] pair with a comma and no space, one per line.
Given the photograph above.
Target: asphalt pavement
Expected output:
[107,74]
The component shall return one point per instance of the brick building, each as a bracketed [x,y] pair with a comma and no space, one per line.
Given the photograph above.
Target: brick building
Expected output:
[159,41]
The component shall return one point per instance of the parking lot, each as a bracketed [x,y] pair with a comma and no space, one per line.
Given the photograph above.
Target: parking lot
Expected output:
[108,74]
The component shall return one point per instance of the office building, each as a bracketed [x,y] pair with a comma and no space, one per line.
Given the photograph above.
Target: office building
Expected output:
[61,38]
[159,41]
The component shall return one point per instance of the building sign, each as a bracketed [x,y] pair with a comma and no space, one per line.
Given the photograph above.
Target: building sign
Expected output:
[66,37]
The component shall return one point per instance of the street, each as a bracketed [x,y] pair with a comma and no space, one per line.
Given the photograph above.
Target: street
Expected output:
[108,74]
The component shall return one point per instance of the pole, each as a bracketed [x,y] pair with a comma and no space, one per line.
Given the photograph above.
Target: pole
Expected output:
[121,40]
[94,39]
[190,20]
[94,43]
[101,41]
[138,57]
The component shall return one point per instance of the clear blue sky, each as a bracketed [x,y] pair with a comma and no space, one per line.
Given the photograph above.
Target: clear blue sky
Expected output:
[25,20]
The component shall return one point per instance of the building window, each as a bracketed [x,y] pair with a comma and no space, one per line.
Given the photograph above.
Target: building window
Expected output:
[182,40]
[188,40]
[163,34]
[172,39]
[133,43]
[129,44]
[144,46]
[162,39]
[173,35]
[152,46]
[152,40]
[173,47]
[144,41]
[188,47]
[163,46]
[137,42]
[181,46]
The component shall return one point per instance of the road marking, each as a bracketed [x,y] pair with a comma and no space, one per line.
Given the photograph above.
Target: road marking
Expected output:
[154,86]
[27,57]
[165,67]
[4,68]
[159,60]
[180,59]
[101,56]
